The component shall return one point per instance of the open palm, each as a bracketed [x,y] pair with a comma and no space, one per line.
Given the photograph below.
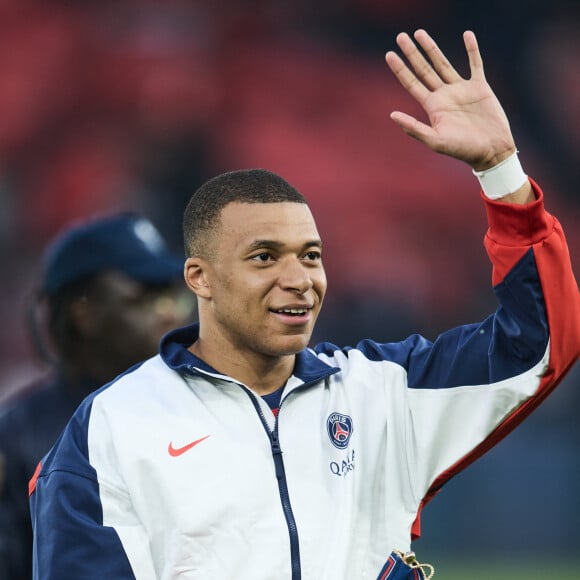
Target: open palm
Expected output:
[466,119]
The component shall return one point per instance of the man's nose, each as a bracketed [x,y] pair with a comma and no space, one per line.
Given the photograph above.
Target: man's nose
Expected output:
[295,276]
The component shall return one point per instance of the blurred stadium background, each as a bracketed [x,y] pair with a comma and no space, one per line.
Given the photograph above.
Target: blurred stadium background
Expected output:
[131,104]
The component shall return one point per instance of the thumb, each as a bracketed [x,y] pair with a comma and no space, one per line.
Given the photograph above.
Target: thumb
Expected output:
[420,131]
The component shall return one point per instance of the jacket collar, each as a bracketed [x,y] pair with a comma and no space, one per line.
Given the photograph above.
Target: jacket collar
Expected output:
[308,367]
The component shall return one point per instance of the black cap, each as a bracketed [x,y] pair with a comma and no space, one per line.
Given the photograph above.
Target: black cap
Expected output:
[126,242]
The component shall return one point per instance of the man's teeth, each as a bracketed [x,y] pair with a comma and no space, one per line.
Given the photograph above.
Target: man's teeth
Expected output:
[292,311]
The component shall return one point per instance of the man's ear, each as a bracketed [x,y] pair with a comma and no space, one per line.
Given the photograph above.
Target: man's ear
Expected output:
[195,274]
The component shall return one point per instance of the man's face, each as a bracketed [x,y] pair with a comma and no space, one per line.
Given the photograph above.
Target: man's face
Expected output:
[127,319]
[265,280]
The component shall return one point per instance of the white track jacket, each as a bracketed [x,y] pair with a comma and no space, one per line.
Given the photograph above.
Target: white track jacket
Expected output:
[175,471]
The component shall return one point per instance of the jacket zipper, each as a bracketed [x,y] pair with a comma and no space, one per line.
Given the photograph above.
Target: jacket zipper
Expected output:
[283,490]
[286,506]
[280,474]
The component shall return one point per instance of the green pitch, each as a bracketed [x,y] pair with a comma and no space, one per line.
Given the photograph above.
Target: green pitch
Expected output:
[546,569]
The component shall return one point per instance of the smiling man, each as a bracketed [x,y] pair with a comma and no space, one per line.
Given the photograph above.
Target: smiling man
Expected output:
[240,452]
[264,250]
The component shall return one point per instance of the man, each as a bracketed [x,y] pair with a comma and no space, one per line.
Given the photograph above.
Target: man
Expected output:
[238,452]
[112,289]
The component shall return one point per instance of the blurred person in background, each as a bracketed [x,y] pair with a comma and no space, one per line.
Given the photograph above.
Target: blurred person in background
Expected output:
[110,289]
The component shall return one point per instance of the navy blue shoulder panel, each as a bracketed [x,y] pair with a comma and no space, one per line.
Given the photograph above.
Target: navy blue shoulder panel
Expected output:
[504,345]
[67,512]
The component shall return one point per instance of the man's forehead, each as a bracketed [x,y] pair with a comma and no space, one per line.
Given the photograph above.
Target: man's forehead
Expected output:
[247,215]
[243,206]
[279,222]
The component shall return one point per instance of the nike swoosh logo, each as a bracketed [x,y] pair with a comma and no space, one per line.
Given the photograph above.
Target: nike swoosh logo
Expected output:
[181,450]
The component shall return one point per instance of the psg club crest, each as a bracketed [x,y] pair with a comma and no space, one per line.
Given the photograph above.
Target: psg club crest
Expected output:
[339,429]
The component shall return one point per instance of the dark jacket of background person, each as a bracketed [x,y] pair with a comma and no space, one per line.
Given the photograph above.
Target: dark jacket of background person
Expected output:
[110,289]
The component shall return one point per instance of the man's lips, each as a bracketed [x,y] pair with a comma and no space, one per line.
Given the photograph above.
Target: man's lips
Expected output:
[293,314]
[292,310]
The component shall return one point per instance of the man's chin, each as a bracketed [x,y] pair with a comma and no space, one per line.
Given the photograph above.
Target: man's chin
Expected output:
[290,345]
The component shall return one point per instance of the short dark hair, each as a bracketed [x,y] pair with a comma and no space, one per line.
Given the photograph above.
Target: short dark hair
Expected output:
[202,213]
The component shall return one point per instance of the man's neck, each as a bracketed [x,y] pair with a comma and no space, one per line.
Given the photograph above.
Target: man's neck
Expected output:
[263,374]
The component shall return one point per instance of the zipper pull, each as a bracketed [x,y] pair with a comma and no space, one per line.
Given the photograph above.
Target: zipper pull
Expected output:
[277,453]
[276,449]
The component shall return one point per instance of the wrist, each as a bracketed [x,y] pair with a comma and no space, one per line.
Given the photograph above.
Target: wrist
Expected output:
[502,179]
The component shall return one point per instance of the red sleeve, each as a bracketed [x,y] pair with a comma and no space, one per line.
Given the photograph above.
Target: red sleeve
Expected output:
[513,230]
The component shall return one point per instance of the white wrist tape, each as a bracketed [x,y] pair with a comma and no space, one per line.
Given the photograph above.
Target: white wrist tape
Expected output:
[503,178]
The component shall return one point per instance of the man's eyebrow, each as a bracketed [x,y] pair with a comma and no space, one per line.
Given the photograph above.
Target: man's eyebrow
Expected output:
[275,245]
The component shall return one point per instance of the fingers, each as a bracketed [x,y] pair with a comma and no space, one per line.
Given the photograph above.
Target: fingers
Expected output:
[409,81]
[439,61]
[475,61]
[423,69]
[430,75]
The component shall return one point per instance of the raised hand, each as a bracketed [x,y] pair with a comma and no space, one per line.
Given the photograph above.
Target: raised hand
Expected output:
[466,119]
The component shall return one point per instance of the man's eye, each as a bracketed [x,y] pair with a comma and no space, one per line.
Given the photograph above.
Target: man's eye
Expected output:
[263,257]
[313,255]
